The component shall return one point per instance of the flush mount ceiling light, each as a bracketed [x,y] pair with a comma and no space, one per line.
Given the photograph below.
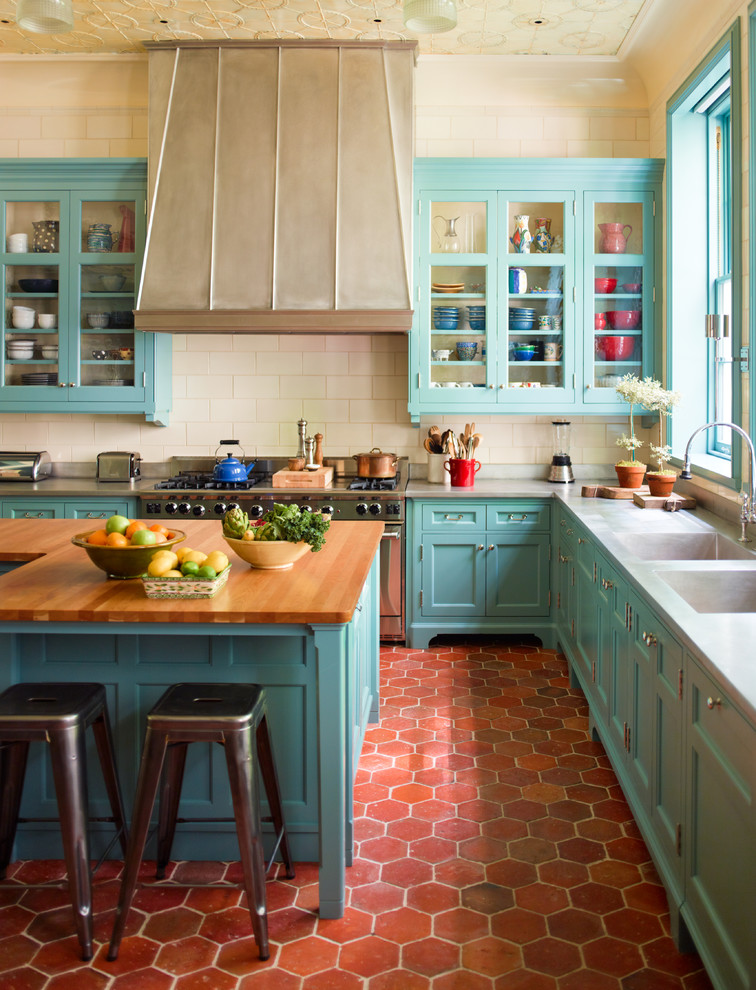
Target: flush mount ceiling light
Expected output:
[45,16]
[430,16]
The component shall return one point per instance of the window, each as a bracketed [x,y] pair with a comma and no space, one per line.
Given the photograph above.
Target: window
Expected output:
[703,268]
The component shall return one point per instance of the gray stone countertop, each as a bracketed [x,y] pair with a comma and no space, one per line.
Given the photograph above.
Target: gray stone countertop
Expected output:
[723,642]
[73,488]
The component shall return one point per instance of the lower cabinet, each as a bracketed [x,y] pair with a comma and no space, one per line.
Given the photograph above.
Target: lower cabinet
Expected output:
[683,753]
[478,566]
[61,508]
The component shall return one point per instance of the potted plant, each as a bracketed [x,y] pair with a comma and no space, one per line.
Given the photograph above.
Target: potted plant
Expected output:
[630,471]
[661,400]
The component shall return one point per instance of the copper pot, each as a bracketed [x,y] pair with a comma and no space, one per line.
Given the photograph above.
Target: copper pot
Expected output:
[376,464]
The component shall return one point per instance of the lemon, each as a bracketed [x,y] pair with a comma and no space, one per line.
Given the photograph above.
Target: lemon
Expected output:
[249,536]
[159,566]
[196,556]
[217,560]
[168,555]
[173,573]
[181,552]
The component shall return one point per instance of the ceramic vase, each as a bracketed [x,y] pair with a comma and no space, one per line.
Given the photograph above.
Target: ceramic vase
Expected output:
[542,238]
[613,237]
[521,238]
[45,236]
[99,238]
[661,484]
[630,475]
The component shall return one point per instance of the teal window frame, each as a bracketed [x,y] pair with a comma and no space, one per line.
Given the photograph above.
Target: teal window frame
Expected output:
[701,248]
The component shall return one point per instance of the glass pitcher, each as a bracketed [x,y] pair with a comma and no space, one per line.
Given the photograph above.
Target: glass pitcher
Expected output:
[447,236]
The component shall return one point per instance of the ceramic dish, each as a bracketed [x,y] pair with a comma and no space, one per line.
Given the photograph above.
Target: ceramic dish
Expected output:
[183,587]
[123,562]
[271,555]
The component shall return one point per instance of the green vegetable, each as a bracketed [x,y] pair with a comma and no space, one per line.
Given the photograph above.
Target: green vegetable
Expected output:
[235,523]
[288,522]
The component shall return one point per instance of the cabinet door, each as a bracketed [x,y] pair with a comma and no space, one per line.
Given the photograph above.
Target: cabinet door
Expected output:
[457,303]
[618,289]
[517,574]
[720,857]
[536,349]
[453,576]
[564,573]
[609,664]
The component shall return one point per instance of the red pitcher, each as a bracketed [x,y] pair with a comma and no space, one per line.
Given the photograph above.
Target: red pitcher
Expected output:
[614,238]
[462,471]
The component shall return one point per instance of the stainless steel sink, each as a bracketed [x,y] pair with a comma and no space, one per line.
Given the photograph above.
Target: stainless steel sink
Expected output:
[682,546]
[717,591]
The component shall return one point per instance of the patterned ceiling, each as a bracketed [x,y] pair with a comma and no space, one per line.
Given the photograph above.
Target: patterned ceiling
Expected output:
[484,27]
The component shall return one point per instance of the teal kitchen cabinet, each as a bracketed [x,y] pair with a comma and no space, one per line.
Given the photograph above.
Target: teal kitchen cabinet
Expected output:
[563,576]
[59,508]
[719,830]
[550,329]
[478,566]
[71,293]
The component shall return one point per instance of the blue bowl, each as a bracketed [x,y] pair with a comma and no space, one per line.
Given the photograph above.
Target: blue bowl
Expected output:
[523,355]
[466,349]
[446,324]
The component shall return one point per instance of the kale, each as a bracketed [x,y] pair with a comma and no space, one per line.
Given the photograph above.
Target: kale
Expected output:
[288,522]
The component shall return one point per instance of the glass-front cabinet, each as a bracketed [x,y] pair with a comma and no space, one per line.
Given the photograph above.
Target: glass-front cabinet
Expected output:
[534,283]
[73,238]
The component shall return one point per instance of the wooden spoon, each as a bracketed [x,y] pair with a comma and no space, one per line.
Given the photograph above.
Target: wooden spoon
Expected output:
[434,431]
[429,445]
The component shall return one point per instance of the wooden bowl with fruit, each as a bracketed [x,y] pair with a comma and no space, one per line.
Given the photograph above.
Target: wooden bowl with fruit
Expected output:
[277,540]
[123,548]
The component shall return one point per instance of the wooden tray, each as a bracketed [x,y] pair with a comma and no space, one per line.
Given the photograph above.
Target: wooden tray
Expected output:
[612,491]
[657,501]
[321,478]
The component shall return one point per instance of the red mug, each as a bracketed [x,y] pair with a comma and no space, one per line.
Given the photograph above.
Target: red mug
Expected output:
[462,471]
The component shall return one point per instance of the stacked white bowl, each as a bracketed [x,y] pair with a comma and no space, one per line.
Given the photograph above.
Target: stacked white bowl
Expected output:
[22,317]
[20,350]
[50,351]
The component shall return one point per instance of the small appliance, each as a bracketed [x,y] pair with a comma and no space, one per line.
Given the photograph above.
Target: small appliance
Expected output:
[561,465]
[118,465]
[24,465]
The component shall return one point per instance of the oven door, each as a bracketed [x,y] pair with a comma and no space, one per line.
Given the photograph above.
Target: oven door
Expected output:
[392,583]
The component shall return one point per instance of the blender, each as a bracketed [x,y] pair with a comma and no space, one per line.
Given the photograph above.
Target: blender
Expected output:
[561,465]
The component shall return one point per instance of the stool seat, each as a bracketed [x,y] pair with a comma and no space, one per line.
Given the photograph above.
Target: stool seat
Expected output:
[234,715]
[59,714]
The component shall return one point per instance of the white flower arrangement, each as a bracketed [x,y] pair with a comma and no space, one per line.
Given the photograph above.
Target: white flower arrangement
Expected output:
[650,395]
[630,388]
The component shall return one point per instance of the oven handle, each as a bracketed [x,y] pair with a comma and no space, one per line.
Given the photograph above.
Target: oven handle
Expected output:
[391,536]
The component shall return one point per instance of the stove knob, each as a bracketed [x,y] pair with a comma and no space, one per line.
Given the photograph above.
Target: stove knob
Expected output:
[305,508]
[219,508]
[327,510]
[184,508]
[375,508]
[255,511]
[361,509]
[198,510]
[171,508]
[233,505]
[393,509]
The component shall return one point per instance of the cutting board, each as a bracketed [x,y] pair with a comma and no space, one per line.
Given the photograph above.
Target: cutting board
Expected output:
[657,501]
[612,491]
[321,478]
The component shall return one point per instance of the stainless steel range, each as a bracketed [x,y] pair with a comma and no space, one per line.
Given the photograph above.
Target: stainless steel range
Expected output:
[191,492]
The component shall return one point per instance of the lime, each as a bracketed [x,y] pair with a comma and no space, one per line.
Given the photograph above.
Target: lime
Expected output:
[143,538]
[190,568]
[207,573]
[117,524]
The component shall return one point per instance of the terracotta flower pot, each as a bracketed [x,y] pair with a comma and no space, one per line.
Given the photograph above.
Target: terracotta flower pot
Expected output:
[630,475]
[660,484]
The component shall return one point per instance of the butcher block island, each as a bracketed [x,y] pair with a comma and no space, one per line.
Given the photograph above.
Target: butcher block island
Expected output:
[309,635]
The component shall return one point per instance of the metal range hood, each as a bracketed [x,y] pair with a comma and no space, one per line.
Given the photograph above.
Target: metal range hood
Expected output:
[280,187]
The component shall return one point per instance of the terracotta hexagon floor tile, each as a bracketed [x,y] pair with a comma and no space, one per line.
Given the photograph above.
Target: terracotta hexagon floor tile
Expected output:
[598,829]
[487,898]
[14,919]
[596,897]
[384,849]
[399,979]
[560,873]
[615,874]
[628,850]
[353,925]
[188,955]
[289,924]
[460,925]
[551,829]
[360,873]
[646,897]
[432,898]
[377,897]
[406,872]
[551,956]
[632,925]
[491,956]
[462,979]
[612,956]
[430,956]
[580,850]
[660,955]
[434,811]
[334,979]
[83,979]
[572,925]
[369,956]
[307,956]
[16,950]
[224,926]
[524,979]
[206,978]
[433,849]
[135,953]
[519,926]
[482,849]
[505,829]
[585,980]
[456,829]
[541,898]
[510,873]
[387,811]
[411,793]
[166,926]
[531,850]
[403,925]
[271,979]
[459,873]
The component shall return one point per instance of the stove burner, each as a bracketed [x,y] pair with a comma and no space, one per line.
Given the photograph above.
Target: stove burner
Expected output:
[374,484]
[194,480]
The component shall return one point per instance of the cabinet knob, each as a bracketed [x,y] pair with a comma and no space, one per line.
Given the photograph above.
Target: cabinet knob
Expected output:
[62,385]
[606,585]
[481,547]
[582,539]
[563,559]
[490,386]
[72,384]
[490,546]
[588,385]
[569,532]
[502,386]
[713,703]
[649,639]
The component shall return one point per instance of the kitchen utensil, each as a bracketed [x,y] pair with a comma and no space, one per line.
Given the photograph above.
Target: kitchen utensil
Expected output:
[429,446]
[615,348]
[118,465]
[448,237]
[112,283]
[604,285]
[46,234]
[376,464]
[47,321]
[462,471]
[38,284]
[296,463]
[24,465]
[623,319]
[561,465]
[50,351]
[436,473]
[230,469]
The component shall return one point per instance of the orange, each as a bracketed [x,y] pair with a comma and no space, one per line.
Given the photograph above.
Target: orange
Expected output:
[133,527]
[159,528]
[159,537]
[117,540]
[99,538]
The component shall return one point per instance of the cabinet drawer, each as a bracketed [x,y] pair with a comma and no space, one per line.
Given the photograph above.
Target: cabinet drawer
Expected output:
[31,510]
[519,516]
[457,517]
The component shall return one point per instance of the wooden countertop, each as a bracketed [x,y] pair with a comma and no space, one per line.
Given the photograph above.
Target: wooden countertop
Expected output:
[60,584]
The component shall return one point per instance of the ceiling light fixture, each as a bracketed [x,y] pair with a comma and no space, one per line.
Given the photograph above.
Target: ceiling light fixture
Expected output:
[430,16]
[45,16]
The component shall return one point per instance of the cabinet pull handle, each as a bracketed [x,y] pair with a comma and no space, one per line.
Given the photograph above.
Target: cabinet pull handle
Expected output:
[605,584]
[712,703]
[649,639]
[582,539]
[514,518]
[34,515]
[562,522]
[481,547]
[569,532]
[449,518]
[563,559]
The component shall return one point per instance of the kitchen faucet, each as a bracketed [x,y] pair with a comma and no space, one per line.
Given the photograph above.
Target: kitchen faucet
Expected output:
[748,509]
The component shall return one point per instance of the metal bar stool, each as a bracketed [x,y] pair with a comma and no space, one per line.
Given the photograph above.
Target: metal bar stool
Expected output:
[59,714]
[233,715]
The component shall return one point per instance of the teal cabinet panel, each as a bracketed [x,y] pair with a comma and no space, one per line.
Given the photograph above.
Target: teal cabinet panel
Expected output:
[720,852]
[93,509]
[545,321]
[32,509]
[478,565]
[78,291]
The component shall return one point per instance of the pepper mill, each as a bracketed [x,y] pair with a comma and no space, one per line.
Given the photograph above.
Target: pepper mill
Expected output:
[310,464]
[302,427]
[318,455]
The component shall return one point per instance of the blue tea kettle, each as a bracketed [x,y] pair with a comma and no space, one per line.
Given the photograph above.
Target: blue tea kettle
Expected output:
[230,469]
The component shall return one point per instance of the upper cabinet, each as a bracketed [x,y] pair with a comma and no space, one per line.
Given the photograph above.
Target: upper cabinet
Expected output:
[73,239]
[535,283]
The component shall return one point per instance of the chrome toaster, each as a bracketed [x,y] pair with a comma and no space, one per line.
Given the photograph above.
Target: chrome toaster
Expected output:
[118,465]
[24,465]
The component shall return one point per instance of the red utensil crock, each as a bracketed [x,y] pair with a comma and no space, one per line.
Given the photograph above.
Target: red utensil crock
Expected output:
[462,471]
